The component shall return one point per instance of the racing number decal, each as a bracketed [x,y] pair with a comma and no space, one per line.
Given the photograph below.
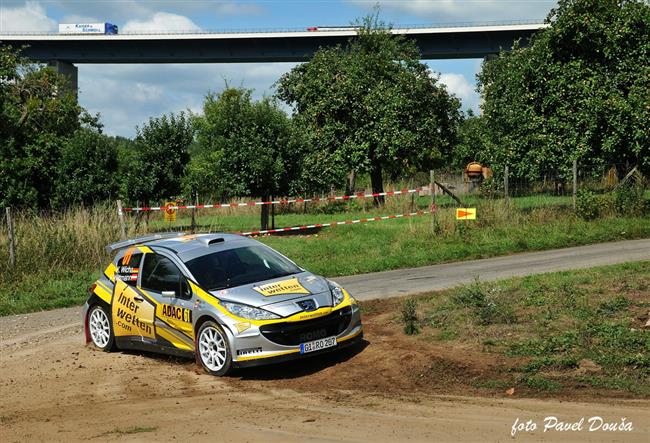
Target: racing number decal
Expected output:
[132,314]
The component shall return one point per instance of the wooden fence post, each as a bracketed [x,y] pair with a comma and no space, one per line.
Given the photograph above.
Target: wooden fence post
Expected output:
[505,182]
[196,203]
[575,182]
[12,238]
[120,215]
[432,187]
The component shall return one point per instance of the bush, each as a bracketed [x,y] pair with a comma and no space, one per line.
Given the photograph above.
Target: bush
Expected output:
[487,304]
[410,317]
[587,205]
[629,200]
[491,188]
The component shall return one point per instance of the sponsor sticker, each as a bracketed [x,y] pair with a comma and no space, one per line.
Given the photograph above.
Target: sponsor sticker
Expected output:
[290,286]
[132,315]
[177,317]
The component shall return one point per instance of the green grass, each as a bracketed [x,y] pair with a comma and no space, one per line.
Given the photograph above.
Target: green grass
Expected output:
[128,431]
[59,257]
[553,324]
[46,291]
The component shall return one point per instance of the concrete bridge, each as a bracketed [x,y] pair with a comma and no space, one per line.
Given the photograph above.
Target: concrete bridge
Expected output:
[439,42]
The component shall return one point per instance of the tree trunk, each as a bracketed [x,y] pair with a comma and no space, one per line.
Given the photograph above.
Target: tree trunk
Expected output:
[350,185]
[377,183]
[264,215]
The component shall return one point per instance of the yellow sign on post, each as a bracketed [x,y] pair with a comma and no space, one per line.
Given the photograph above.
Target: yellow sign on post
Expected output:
[465,213]
[170,214]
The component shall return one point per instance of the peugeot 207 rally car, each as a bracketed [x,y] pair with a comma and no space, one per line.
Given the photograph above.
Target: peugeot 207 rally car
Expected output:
[229,300]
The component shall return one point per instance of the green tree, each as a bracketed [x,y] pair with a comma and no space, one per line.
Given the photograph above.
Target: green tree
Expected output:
[87,170]
[470,141]
[38,113]
[158,161]
[244,148]
[369,107]
[580,90]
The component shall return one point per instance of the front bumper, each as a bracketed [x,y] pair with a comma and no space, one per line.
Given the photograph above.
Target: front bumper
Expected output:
[296,355]
[264,344]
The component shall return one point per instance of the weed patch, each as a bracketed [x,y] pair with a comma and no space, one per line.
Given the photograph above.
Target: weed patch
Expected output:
[576,328]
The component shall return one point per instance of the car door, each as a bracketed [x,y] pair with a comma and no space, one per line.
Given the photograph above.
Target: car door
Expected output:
[162,281]
[131,313]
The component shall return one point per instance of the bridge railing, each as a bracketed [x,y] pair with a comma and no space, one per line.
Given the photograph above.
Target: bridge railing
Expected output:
[302,29]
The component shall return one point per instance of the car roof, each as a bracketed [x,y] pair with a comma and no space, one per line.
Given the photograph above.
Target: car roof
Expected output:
[188,247]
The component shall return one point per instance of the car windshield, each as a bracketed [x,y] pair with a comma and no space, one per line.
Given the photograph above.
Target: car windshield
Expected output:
[239,266]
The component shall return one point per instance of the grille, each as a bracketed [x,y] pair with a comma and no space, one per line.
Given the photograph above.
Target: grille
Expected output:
[294,333]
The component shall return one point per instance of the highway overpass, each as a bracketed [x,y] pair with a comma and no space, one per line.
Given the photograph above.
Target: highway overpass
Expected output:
[435,42]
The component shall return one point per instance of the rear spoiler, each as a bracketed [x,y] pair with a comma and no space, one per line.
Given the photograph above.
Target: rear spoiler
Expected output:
[136,241]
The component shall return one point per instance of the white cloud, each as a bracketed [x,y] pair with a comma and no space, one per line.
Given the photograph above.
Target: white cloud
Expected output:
[121,11]
[234,8]
[128,95]
[458,85]
[161,21]
[31,17]
[464,10]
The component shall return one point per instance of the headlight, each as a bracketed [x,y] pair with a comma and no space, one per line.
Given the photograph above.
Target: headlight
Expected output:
[337,294]
[249,312]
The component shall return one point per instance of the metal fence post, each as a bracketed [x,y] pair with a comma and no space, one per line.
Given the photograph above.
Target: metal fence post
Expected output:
[120,215]
[575,182]
[505,182]
[12,238]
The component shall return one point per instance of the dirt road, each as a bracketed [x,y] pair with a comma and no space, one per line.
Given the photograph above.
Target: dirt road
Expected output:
[53,388]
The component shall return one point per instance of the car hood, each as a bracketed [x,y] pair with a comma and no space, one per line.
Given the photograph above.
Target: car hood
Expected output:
[281,295]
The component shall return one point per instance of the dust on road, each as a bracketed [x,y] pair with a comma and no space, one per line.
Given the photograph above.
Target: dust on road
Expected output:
[54,388]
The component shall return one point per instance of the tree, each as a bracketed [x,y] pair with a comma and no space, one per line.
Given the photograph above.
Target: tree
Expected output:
[88,169]
[579,91]
[369,107]
[38,113]
[159,158]
[470,141]
[245,147]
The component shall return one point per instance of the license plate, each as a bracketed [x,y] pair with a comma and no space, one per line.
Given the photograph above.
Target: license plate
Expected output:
[317,345]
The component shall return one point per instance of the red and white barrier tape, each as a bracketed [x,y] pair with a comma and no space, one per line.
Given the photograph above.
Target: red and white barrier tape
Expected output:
[335,223]
[278,202]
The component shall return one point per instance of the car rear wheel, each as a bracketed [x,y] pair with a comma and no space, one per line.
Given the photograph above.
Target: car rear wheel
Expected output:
[212,350]
[99,326]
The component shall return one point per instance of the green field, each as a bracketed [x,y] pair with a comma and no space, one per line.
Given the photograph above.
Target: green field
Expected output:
[58,258]
[556,332]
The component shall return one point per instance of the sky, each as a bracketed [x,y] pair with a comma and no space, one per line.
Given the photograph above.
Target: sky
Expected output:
[126,96]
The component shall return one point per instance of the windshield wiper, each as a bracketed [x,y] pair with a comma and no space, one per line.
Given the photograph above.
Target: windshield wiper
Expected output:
[280,274]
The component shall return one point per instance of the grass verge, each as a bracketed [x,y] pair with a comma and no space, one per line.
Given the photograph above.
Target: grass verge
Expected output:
[60,256]
[558,332]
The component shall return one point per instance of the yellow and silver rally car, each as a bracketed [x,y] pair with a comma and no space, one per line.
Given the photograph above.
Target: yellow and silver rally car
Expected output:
[226,299]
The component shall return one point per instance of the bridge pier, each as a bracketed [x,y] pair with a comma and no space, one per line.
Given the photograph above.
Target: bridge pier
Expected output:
[69,70]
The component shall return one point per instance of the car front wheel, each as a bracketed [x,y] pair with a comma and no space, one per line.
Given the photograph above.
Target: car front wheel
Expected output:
[212,350]
[99,326]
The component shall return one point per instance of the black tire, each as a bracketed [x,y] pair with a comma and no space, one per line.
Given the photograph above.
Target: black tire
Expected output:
[95,324]
[211,339]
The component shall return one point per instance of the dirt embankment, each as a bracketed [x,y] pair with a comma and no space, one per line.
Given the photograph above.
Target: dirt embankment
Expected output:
[393,388]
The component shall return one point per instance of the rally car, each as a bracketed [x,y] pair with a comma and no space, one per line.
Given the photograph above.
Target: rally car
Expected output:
[226,299]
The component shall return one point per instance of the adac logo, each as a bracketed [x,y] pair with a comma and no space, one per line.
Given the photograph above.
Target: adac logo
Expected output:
[307,305]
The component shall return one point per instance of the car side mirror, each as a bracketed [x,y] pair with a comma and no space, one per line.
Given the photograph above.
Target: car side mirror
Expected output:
[184,289]
[168,294]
